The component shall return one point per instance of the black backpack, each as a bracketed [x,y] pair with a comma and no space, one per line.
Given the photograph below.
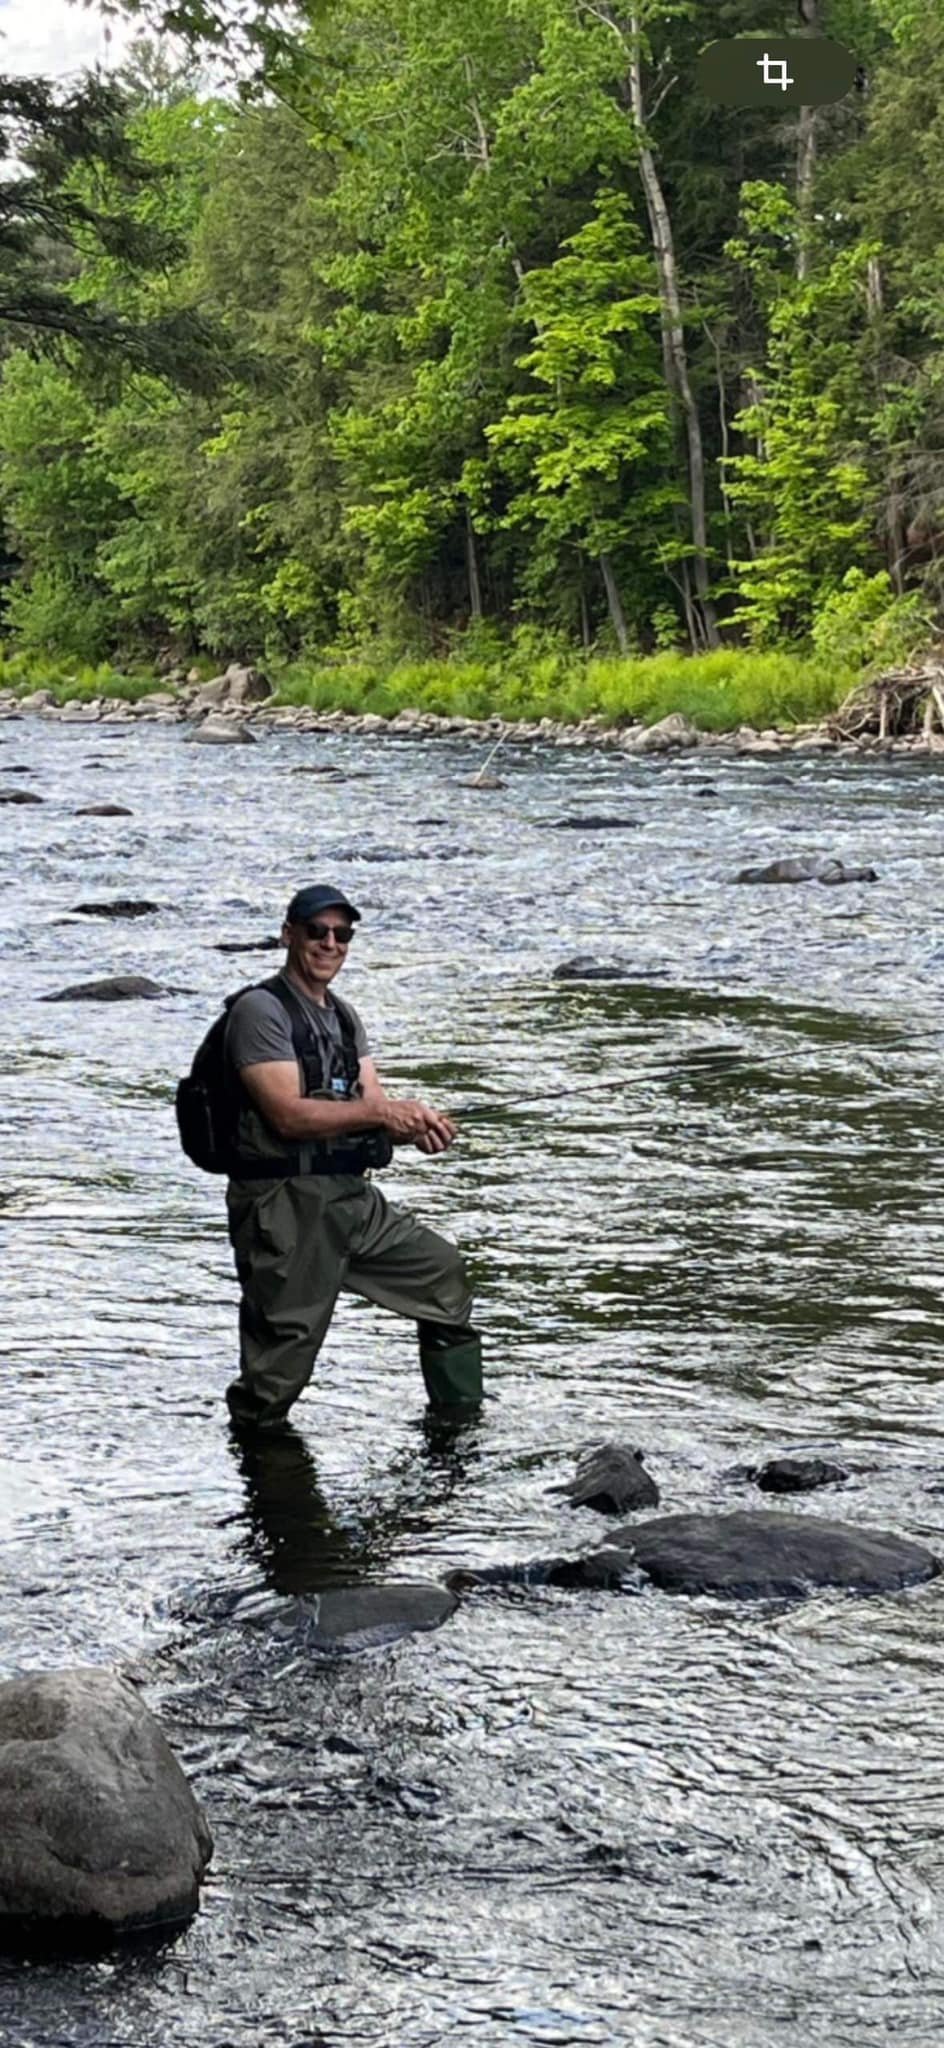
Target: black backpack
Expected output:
[207,1103]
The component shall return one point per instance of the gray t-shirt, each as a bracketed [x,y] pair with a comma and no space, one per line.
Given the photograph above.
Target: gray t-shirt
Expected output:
[259,1028]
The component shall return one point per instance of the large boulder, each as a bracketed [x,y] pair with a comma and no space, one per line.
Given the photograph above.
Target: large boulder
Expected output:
[100,1833]
[762,1556]
[770,1556]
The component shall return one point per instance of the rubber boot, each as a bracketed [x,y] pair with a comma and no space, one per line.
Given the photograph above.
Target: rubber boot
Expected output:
[451,1361]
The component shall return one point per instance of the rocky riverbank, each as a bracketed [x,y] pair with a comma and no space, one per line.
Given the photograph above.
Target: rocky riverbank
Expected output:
[238,706]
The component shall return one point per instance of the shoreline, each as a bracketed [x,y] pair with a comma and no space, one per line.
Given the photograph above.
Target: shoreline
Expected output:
[229,721]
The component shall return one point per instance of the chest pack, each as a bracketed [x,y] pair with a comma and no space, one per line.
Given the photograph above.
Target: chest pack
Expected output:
[209,1099]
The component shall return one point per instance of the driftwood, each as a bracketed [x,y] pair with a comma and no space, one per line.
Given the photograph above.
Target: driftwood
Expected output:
[901,704]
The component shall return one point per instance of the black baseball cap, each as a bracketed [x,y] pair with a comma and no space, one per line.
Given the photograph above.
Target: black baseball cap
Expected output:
[319,896]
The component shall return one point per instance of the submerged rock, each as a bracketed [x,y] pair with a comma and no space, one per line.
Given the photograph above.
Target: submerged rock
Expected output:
[246,945]
[20,796]
[585,967]
[593,824]
[104,811]
[351,1617]
[123,906]
[100,1833]
[611,1479]
[807,868]
[772,1556]
[118,988]
[798,1475]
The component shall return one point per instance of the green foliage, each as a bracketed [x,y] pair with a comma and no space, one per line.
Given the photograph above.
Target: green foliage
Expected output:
[863,625]
[373,363]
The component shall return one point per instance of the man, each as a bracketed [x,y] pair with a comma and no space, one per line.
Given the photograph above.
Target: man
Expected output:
[304,1230]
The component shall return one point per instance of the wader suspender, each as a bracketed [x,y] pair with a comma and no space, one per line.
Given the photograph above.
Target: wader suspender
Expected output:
[315,1157]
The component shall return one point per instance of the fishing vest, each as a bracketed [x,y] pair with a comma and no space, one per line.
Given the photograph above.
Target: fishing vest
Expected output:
[258,1152]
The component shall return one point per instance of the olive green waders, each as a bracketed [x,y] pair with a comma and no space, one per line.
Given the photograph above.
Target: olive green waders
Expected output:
[298,1242]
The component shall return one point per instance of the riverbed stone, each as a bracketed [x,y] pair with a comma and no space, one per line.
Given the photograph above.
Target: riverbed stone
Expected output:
[798,1475]
[765,1555]
[100,1832]
[612,1479]
[20,796]
[586,967]
[121,906]
[593,823]
[665,736]
[220,732]
[807,868]
[104,811]
[117,988]
[351,1618]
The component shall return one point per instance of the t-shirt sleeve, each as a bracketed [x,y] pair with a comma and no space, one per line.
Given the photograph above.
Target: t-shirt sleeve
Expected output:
[258,1029]
[361,1046]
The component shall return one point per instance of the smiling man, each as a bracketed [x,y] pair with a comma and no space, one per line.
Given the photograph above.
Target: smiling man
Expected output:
[305,1219]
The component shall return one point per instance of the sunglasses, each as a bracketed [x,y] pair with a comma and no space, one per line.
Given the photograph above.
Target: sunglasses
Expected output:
[343,933]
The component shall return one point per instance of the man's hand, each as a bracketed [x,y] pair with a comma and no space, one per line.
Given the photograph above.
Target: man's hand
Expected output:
[414,1123]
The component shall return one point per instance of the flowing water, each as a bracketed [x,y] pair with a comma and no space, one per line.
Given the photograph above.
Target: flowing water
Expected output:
[564,1817]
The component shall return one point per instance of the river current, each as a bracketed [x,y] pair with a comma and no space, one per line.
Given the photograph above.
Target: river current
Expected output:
[614,1821]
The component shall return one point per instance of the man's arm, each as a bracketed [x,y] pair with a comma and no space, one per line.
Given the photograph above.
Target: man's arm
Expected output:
[275,1089]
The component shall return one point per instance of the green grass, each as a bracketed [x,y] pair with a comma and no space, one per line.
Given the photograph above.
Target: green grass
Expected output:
[68,681]
[718,692]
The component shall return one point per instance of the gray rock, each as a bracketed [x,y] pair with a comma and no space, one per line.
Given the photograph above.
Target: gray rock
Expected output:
[222,732]
[246,945]
[245,685]
[351,1618]
[798,1475]
[122,906]
[611,1479]
[667,734]
[20,796]
[100,1833]
[807,868]
[771,1556]
[118,988]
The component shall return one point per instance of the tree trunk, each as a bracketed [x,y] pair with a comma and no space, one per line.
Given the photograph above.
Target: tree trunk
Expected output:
[673,337]
[472,561]
[615,603]
[584,612]
[806,154]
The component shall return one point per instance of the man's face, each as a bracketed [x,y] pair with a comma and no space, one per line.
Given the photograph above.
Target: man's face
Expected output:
[314,950]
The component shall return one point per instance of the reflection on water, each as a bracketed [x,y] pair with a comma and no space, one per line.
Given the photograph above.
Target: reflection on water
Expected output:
[704,1210]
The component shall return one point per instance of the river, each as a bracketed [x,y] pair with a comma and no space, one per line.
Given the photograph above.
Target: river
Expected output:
[564,1817]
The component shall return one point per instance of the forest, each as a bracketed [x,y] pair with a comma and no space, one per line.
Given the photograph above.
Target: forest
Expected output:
[402,331]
